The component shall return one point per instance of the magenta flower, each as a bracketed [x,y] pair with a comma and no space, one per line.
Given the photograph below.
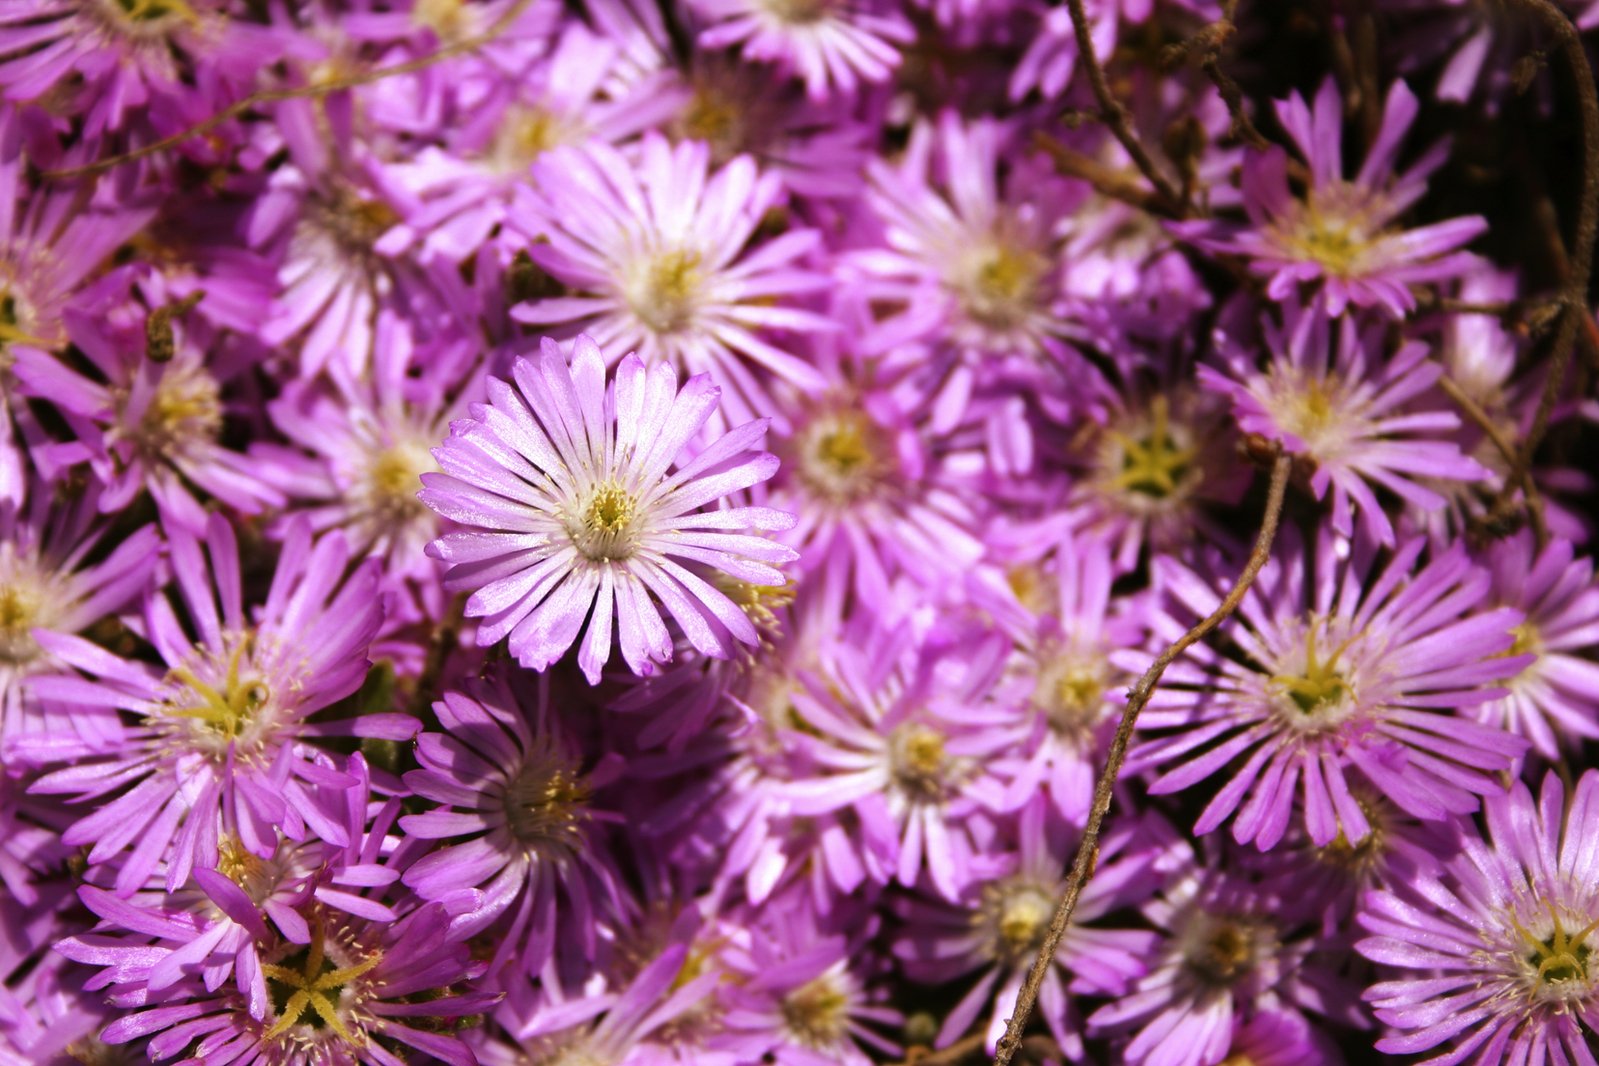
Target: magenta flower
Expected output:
[1340,238]
[1228,954]
[1554,701]
[518,790]
[567,481]
[901,733]
[45,584]
[834,45]
[213,742]
[659,258]
[1492,955]
[356,985]
[1364,427]
[1336,669]
[1000,923]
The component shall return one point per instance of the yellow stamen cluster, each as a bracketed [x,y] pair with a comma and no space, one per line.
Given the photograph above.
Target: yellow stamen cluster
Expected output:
[666,293]
[919,763]
[224,713]
[1223,951]
[1013,916]
[603,528]
[319,985]
[842,456]
[186,409]
[1558,963]
[1154,463]
[817,1012]
[20,606]
[1333,227]
[1319,691]
[1000,285]
[546,803]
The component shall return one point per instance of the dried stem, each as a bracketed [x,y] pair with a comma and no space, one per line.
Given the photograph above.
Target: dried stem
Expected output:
[1137,696]
[1507,449]
[271,96]
[1208,44]
[949,1056]
[1106,180]
[1111,112]
[1574,298]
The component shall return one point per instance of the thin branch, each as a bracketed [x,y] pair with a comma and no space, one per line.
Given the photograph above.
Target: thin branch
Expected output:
[1106,180]
[949,1056]
[1208,44]
[1574,298]
[1507,449]
[1137,696]
[1111,112]
[271,96]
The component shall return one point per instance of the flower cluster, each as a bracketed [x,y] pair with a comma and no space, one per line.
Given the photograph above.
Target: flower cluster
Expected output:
[620,532]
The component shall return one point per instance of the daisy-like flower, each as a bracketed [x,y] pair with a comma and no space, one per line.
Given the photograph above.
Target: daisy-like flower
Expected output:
[518,790]
[124,50]
[1341,237]
[1336,668]
[999,924]
[45,583]
[1499,945]
[354,986]
[659,258]
[1061,670]
[580,516]
[972,246]
[1364,426]
[833,44]
[1228,952]
[213,741]
[1554,702]
[145,425]
[901,733]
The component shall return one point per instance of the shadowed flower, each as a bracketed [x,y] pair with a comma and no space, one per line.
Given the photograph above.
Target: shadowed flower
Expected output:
[1339,237]
[1500,944]
[579,520]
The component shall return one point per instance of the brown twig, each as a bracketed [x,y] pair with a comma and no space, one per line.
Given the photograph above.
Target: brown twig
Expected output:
[1574,297]
[272,96]
[949,1056]
[1208,44]
[1106,180]
[1507,449]
[1137,697]
[1111,112]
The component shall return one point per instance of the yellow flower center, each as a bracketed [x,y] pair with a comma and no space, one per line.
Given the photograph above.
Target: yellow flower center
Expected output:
[185,410]
[712,117]
[547,803]
[1556,963]
[1013,915]
[800,12]
[1223,951]
[1070,690]
[150,11]
[1000,286]
[214,713]
[393,477]
[604,527]
[1317,696]
[1154,464]
[310,990]
[817,1012]
[919,763]
[1332,227]
[666,293]
[842,456]
[19,613]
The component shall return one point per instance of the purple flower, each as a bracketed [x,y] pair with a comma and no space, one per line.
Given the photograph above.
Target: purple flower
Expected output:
[1554,701]
[46,584]
[329,1000]
[1227,954]
[659,257]
[832,44]
[900,732]
[1335,668]
[1363,427]
[1499,943]
[1000,923]
[517,789]
[1340,237]
[578,519]
[215,741]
